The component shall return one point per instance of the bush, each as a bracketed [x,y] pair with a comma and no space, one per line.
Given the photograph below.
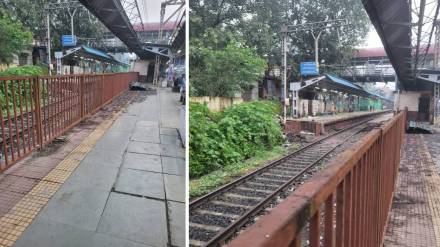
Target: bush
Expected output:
[231,136]
[24,89]
[27,70]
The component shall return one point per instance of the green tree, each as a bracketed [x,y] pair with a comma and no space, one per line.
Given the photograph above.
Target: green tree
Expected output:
[224,72]
[32,14]
[258,23]
[86,26]
[13,38]
[337,44]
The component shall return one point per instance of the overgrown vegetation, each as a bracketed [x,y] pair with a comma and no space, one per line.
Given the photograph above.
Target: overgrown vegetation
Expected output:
[14,89]
[27,70]
[231,136]
[224,72]
[208,182]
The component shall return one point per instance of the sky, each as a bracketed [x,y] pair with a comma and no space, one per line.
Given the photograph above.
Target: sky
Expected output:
[372,39]
[151,10]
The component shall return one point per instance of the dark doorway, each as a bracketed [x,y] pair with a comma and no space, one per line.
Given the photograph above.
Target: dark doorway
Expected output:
[150,72]
[310,106]
[424,108]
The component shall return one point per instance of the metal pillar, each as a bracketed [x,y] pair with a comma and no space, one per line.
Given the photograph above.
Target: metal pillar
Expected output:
[295,99]
[160,35]
[437,45]
[159,39]
[48,42]
[436,65]
[284,75]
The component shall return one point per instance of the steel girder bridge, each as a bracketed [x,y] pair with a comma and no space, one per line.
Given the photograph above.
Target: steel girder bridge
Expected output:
[120,15]
[380,72]
[407,29]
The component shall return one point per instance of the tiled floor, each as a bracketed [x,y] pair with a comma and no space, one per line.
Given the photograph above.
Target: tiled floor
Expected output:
[414,218]
[129,190]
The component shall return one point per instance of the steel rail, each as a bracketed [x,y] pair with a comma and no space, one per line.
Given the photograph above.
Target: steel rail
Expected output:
[228,231]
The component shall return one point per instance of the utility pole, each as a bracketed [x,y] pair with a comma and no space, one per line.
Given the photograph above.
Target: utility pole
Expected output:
[57,6]
[316,38]
[284,31]
[321,26]
[71,19]
[48,42]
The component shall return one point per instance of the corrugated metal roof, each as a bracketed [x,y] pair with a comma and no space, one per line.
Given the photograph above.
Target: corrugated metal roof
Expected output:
[354,86]
[379,96]
[96,52]
[343,82]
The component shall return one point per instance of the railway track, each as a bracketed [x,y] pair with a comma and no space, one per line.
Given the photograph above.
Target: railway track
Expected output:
[216,217]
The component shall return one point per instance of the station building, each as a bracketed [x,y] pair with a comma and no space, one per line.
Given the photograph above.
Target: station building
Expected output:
[421,100]
[86,60]
[329,94]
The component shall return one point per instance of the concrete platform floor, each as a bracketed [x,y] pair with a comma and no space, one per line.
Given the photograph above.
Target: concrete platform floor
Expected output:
[330,118]
[415,215]
[123,185]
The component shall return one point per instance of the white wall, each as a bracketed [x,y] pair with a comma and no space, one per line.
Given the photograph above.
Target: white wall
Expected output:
[141,66]
[407,99]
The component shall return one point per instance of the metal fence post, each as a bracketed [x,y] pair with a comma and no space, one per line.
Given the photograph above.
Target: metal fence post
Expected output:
[379,177]
[81,96]
[103,94]
[38,109]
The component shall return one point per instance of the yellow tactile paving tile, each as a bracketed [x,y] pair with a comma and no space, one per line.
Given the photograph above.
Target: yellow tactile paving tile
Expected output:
[45,189]
[13,224]
[433,190]
[58,176]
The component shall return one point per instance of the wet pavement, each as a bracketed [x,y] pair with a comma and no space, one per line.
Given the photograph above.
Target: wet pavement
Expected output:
[415,215]
[125,185]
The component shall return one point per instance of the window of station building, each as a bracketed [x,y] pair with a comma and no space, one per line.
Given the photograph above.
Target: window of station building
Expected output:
[438,78]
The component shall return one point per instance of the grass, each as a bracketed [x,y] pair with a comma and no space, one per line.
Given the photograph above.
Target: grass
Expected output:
[215,179]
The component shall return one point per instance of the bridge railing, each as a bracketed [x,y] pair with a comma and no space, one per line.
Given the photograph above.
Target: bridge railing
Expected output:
[371,70]
[346,204]
[35,110]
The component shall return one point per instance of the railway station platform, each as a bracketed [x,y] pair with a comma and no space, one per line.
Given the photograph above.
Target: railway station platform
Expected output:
[117,179]
[415,214]
[320,124]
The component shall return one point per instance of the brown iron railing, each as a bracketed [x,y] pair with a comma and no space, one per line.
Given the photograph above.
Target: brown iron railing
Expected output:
[35,110]
[346,204]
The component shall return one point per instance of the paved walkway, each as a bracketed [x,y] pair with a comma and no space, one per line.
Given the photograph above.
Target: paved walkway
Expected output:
[415,214]
[123,185]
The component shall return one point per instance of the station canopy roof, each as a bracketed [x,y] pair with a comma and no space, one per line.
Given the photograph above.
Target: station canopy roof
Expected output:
[334,83]
[86,52]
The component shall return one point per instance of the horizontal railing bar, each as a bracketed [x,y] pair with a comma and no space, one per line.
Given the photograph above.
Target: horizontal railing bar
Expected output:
[38,109]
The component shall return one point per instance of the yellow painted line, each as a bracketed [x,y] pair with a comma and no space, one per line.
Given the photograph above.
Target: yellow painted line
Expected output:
[15,222]
[432,189]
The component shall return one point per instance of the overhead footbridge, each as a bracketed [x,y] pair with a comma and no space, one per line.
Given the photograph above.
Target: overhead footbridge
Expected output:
[113,15]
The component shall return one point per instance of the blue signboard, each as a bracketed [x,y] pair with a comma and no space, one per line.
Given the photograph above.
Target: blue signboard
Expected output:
[308,68]
[68,40]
